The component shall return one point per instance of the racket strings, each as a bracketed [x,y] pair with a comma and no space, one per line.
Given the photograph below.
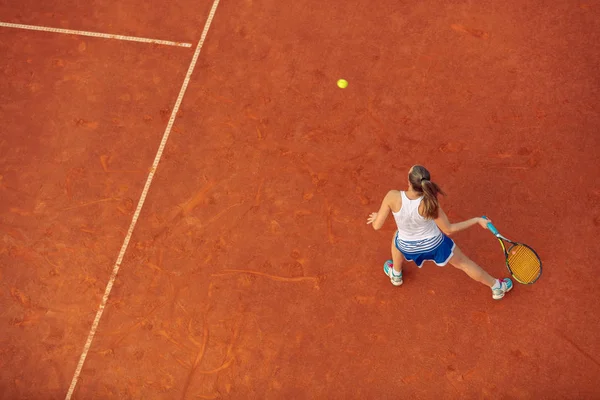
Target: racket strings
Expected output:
[524,263]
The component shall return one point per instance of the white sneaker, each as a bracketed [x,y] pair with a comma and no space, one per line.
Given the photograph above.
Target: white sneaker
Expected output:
[506,286]
[388,268]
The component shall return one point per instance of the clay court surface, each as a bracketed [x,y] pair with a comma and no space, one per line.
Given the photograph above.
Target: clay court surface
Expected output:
[248,271]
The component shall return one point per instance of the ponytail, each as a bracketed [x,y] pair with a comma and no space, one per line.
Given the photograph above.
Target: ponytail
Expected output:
[430,201]
[419,179]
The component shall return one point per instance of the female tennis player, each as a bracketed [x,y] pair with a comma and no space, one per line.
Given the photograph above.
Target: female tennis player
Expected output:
[423,230]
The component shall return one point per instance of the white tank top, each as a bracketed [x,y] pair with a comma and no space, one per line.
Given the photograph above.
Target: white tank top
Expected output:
[411,225]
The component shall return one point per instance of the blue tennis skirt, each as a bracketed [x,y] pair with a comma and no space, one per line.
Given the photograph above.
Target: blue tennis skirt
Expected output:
[439,249]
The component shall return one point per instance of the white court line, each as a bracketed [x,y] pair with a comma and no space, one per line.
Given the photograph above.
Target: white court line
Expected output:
[136,215]
[93,34]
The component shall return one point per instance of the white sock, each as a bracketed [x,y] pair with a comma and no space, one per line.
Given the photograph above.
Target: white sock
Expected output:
[497,285]
[396,273]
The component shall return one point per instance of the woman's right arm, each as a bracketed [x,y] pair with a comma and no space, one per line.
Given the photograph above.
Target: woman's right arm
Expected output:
[378,218]
[448,228]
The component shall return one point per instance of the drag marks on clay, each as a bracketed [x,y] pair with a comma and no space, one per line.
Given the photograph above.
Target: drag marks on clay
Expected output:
[331,237]
[477,33]
[194,366]
[105,160]
[15,234]
[523,158]
[259,192]
[365,300]
[208,396]
[577,347]
[169,337]
[277,278]
[20,211]
[226,364]
[195,200]
[201,350]
[456,377]
[260,122]
[595,197]
[91,125]
[452,147]
[220,214]
[183,211]
[190,340]
[423,376]
[300,214]
[32,312]
[431,63]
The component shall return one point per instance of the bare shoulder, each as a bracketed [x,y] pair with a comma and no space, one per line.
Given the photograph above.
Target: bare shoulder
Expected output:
[394,200]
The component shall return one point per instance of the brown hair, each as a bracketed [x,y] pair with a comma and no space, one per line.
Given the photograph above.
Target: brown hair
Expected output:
[420,180]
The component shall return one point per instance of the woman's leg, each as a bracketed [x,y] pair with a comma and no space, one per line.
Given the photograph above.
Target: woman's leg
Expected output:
[464,263]
[394,271]
[396,257]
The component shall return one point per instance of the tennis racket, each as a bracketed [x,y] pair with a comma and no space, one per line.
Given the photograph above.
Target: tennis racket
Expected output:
[522,261]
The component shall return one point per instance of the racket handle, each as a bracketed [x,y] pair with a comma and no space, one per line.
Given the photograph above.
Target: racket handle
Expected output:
[491,227]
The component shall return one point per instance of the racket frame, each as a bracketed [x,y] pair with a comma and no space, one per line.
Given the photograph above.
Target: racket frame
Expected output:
[502,239]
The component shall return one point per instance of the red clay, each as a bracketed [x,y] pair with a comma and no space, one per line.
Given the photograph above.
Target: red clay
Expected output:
[251,272]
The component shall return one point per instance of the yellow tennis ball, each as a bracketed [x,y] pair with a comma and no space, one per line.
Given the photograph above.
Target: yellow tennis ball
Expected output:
[342,83]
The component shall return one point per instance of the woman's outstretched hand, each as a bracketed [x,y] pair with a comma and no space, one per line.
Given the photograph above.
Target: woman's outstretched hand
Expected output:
[372,217]
[483,222]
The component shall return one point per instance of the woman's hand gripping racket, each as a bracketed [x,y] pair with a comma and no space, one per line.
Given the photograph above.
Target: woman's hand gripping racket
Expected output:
[521,260]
